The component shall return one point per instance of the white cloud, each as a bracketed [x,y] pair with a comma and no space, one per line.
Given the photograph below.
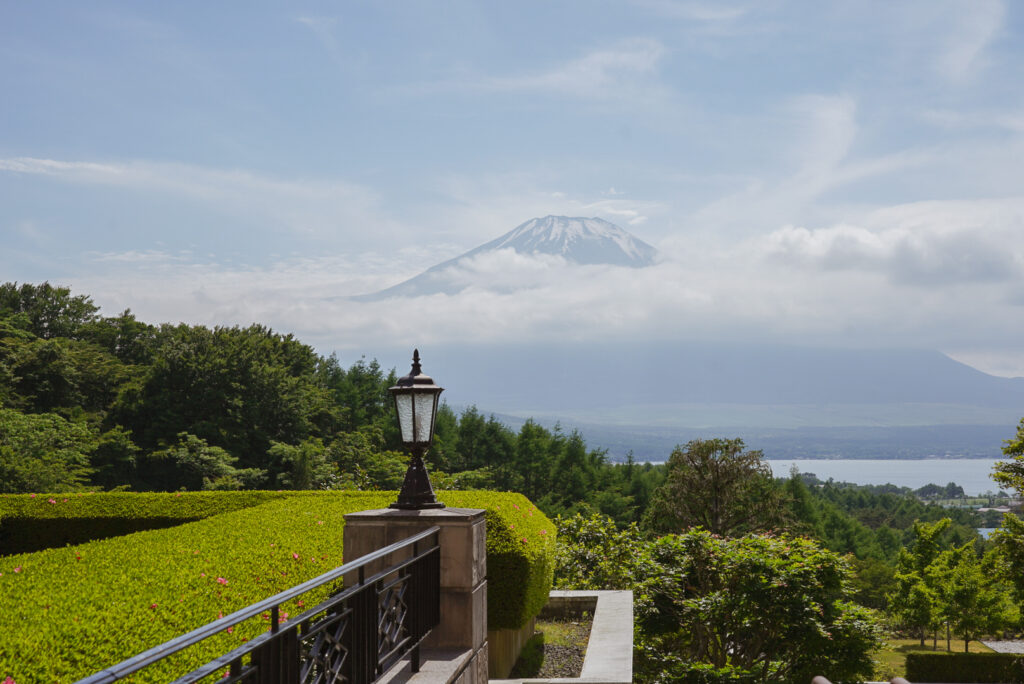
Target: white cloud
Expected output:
[974,25]
[323,29]
[1010,120]
[308,208]
[625,72]
[696,11]
[601,73]
[925,274]
[928,244]
[480,208]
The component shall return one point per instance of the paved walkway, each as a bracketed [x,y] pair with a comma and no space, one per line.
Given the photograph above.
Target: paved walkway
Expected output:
[1005,646]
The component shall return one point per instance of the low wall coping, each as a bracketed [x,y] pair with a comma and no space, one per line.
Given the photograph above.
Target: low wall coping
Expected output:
[609,657]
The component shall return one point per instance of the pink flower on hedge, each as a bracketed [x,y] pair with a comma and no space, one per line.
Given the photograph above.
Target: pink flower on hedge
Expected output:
[523,540]
[152,606]
[9,680]
[295,556]
[221,580]
[32,496]
[543,532]
[17,569]
[53,501]
[301,603]
[319,522]
[230,630]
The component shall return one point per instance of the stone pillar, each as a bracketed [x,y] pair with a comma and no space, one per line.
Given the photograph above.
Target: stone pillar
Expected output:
[463,540]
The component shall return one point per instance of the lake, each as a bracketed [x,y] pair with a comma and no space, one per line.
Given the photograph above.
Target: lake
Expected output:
[970,473]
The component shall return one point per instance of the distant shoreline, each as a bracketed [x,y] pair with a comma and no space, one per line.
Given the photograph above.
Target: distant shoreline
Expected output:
[973,474]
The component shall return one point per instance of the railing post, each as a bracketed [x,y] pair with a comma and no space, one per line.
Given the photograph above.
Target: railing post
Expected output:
[277,661]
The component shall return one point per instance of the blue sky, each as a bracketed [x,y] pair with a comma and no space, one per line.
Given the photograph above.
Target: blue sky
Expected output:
[833,173]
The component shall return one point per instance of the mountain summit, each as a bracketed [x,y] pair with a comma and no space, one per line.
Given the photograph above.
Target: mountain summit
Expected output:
[583,241]
[579,240]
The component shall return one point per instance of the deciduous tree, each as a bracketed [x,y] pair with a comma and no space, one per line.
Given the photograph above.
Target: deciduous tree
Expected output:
[1010,473]
[43,452]
[717,485]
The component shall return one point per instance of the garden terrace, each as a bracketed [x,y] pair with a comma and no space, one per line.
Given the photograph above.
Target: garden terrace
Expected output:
[72,610]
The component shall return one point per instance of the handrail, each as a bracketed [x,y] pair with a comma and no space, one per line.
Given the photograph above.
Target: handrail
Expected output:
[168,648]
[822,680]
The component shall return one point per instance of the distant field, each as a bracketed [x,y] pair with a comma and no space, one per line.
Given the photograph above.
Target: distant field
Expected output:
[891,660]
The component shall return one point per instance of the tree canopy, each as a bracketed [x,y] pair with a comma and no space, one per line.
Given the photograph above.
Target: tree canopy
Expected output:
[718,485]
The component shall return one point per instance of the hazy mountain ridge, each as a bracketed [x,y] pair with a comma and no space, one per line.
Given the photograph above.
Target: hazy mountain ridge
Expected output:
[792,402]
[601,375]
[577,240]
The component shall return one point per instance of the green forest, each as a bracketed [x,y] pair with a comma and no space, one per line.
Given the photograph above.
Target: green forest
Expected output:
[94,402]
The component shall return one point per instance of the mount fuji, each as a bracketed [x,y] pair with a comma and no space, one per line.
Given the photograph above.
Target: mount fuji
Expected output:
[581,241]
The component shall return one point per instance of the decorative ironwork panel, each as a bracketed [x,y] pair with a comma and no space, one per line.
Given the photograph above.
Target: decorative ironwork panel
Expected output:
[392,612]
[326,648]
[352,637]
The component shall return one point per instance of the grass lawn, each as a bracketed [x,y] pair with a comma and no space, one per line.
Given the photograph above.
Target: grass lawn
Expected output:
[892,658]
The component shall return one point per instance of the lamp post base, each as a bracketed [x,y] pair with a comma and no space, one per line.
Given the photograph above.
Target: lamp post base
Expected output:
[417,492]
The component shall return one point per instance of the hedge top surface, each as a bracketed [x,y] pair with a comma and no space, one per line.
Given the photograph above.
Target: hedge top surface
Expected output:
[68,612]
[183,505]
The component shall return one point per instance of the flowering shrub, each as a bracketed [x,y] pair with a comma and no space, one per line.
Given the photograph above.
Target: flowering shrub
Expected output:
[68,612]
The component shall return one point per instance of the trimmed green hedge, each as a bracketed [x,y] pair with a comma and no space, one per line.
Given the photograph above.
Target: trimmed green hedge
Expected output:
[68,612]
[965,667]
[32,522]
[520,555]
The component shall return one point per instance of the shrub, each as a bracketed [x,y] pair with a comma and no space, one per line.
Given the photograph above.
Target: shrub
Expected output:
[68,612]
[520,555]
[965,667]
[711,609]
[32,522]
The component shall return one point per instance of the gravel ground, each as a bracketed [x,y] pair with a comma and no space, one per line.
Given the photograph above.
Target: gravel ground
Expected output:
[563,660]
[1005,646]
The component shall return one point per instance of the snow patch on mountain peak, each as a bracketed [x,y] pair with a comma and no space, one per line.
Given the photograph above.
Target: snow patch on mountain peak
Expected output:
[548,241]
[580,240]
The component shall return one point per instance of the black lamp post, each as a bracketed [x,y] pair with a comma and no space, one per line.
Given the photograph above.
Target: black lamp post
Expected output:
[416,398]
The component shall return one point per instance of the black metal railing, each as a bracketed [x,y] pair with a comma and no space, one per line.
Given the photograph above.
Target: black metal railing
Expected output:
[353,636]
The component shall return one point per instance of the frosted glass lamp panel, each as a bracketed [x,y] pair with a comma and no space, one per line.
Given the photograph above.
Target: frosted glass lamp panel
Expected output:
[403,404]
[424,415]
